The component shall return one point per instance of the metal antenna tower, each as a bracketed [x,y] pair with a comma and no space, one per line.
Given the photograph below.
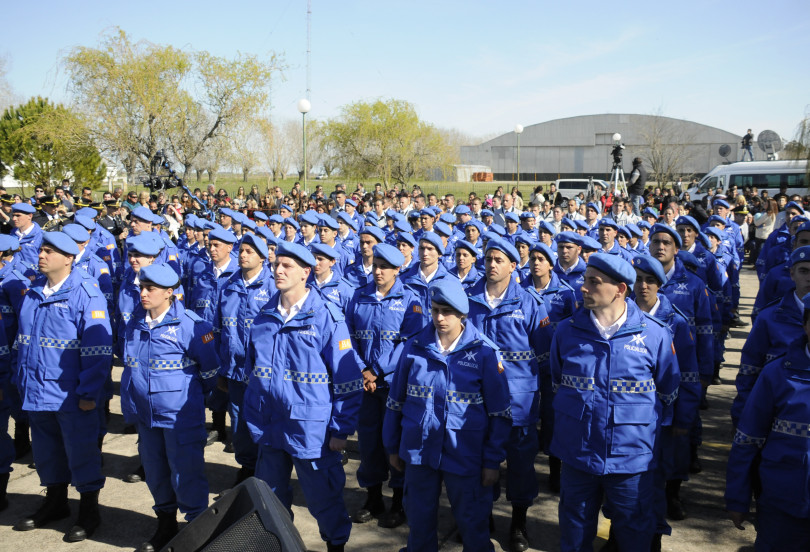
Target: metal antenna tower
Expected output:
[309,48]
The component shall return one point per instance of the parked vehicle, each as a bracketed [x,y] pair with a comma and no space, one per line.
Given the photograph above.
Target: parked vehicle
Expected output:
[764,175]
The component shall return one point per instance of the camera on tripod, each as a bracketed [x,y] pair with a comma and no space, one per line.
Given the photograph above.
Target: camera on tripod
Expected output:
[157,181]
[617,150]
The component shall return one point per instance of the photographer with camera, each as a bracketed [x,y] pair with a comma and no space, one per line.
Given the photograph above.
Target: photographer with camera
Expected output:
[635,188]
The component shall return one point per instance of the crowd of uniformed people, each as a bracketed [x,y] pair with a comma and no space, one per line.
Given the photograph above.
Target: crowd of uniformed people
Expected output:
[450,338]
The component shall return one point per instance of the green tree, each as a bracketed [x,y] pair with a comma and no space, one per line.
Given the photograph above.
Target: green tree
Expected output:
[43,143]
[385,139]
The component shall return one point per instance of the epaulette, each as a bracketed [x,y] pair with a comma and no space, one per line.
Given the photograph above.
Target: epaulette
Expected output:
[654,319]
[488,341]
[194,316]
[772,303]
[91,288]
[334,310]
[168,242]
[679,311]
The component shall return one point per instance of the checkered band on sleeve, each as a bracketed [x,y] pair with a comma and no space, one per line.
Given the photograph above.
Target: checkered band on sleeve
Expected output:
[306,377]
[229,321]
[577,382]
[348,387]
[503,413]
[517,356]
[389,335]
[262,371]
[630,386]
[98,350]
[364,334]
[420,391]
[797,429]
[668,398]
[463,397]
[749,369]
[160,364]
[391,404]
[741,438]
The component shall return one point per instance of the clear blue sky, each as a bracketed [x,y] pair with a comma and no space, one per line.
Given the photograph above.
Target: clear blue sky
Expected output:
[479,66]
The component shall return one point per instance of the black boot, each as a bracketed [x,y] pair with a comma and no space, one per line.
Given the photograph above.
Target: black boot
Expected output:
[518,538]
[107,413]
[166,531]
[243,474]
[22,441]
[89,518]
[694,462]
[374,506]
[334,547]
[674,507]
[135,477]
[656,543]
[217,432]
[396,515]
[611,545]
[3,487]
[55,507]
[716,376]
[554,466]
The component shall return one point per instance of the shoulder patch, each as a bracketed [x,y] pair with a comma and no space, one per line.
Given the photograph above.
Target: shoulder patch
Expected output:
[193,315]
[91,289]
[98,314]
[208,338]
[345,344]
[417,309]
[110,246]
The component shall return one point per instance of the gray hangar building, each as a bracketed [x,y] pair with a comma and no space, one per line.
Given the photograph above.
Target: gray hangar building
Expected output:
[580,147]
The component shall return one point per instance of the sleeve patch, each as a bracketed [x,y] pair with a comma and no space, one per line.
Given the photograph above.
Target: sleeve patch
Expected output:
[99,314]
[545,322]
[104,271]
[345,344]
[110,246]
[500,367]
[417,308]
[673,348]
[208,338]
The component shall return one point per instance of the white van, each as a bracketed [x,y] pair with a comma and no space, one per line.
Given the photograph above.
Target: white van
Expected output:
[764,175]
[570,187]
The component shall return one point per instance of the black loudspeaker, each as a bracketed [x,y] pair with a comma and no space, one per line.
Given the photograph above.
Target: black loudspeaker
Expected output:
[248,518]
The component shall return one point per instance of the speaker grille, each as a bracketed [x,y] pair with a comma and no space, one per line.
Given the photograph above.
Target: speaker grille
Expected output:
[247,535]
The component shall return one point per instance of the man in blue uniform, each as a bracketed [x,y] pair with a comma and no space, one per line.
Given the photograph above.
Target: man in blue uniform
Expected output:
[63,354]
[304,394]
[615,372]
[520,327]
[325,279]
[359,273]
[569,266]
[27,232]
[429,268]
[608,229]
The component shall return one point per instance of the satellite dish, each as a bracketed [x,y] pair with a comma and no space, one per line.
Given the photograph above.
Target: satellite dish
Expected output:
[724,150]
[769,142]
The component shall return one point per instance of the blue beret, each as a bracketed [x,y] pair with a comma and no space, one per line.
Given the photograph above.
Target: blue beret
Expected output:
[158,219]
[143,244]
[523,238]
[505,247]
[450,292]
[545,226]
[256,243]
[624,231]
[296,251]
[511,217]
[88,223]
[278,219]
[309,217]
[373,231]
[464,244]
[462,210]
[287,208]
[77,232]
[595,206]
[799,219]
[143,213]
[23,207]
[527,215]
[652,266]
[207,225]
[704,240]
[442,229]
[389,254]
[407,238]
[191,217]
[589,244]
[267,234]
[348,219]
[487,213]
[159,274]
[581,224]
[329,222]
[447,218]
[433,239]
[9,243]
[222,235]
[805,227]
[688,259]
[88,212]
[324,250]
[717,218]
[292,222]
[259,215]
[497,229]
[568,222]
[800,255]
[721,203]
[436,210]
[490,235]
[686,220]
[716,232]
[614,267]
[650,211]
[402,226]
[545,250]
[390,213]
[478,225]
[568,237]
[228,212]
[645,224]
[667,229]
[60,241]
[608,222]
[633,229]
[789,205]
[372,217]
[414,214]
[351,202]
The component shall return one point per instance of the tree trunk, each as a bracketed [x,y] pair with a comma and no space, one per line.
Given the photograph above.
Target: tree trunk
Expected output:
[199,174]
[245,172]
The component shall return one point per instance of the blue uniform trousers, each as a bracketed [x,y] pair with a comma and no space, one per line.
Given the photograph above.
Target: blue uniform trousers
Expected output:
[6,442]
[522,486]
[322,481]
[174,463]
[217,401]
[470,503]
[245,450]
[734,276]
[778,531]
[629,499]
[17,412]
[374,466]
[65,446]
[673,463]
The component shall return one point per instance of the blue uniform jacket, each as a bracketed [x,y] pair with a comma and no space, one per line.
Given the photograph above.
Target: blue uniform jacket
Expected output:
[305,385]
[688,292]
[558,298]
[15,278]
[197,262]
[204,300]
[168,369]
[777,327]
[778,236]
[611,394]
[412,278]
[452,412]
[521,329]
[29,245]
[777,283]
[379,327]
[471,279]
[100,271]
[238,307]
[575,278]
[64,345]
[337,290]
[774,427]
[355,275]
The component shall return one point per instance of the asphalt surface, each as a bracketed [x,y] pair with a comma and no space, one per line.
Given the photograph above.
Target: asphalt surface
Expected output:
[128,519]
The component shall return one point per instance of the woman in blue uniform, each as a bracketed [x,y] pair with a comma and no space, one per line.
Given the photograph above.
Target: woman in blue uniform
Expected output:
[448,419]
[170,361]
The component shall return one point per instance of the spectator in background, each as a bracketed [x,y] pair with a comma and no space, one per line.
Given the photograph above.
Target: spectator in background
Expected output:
[240,200]
[254,194]
[537,197]
[763,226]
[747,143]
[131,202]
[517,197]
[554,196]
[637,184]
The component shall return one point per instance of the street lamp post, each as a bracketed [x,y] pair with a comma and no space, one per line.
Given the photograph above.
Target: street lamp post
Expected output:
[304,106]
[518,131]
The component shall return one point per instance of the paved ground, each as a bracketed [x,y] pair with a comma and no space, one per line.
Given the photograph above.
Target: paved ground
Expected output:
[128,517]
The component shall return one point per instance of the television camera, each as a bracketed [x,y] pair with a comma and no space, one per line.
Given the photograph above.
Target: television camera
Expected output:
[163,177]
